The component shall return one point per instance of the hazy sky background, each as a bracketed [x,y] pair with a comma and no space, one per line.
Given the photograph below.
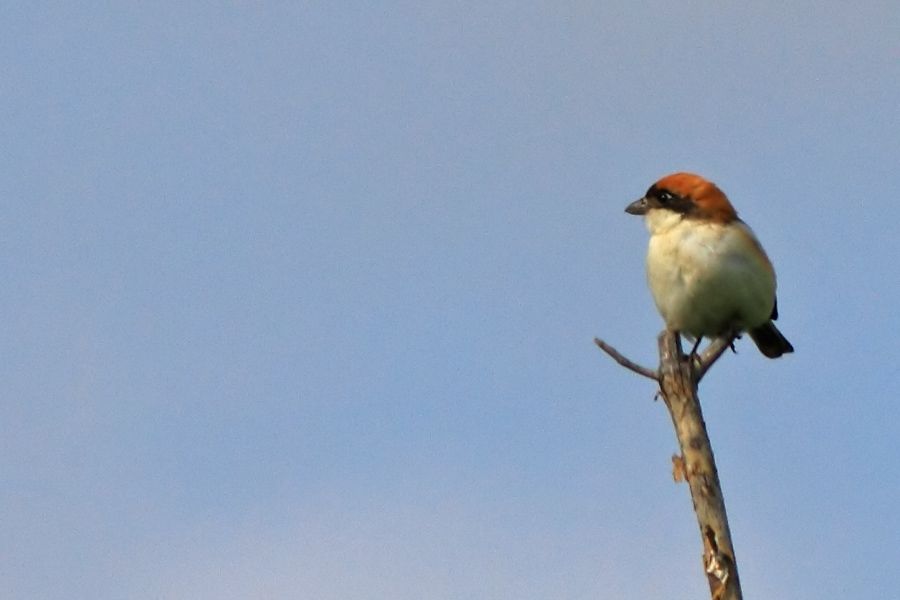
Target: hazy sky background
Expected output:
[298,298]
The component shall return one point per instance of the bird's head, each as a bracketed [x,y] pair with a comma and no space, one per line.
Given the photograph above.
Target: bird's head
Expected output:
[683,196]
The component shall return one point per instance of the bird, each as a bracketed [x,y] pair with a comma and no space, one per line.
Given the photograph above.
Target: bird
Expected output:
[707,272]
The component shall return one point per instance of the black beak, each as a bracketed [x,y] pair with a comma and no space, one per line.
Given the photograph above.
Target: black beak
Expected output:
[638,207]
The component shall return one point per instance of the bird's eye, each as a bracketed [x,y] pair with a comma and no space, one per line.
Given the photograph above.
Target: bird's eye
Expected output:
[665,197]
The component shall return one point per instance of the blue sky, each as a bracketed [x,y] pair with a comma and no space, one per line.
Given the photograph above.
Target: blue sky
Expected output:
[299,298]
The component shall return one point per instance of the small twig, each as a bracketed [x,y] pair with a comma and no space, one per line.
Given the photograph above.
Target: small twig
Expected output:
[712,353]
[628,364]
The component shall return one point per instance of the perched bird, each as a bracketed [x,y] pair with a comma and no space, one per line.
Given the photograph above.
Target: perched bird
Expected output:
[708,273]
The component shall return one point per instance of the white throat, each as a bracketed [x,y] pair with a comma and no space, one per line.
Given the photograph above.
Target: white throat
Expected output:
[661,220]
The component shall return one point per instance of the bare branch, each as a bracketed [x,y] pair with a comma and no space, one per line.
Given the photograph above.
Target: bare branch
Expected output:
[678,383]
[712,353]
[678,376]
[628,364]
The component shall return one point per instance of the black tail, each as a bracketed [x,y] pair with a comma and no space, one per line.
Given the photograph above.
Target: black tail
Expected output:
[770,341]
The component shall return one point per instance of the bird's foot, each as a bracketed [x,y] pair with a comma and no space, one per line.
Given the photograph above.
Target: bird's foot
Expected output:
[694,356]
[735,336]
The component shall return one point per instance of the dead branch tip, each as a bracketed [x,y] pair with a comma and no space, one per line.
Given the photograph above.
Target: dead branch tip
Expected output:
[628,364]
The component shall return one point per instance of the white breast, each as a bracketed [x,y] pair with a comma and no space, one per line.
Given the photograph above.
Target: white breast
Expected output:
[707,278]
